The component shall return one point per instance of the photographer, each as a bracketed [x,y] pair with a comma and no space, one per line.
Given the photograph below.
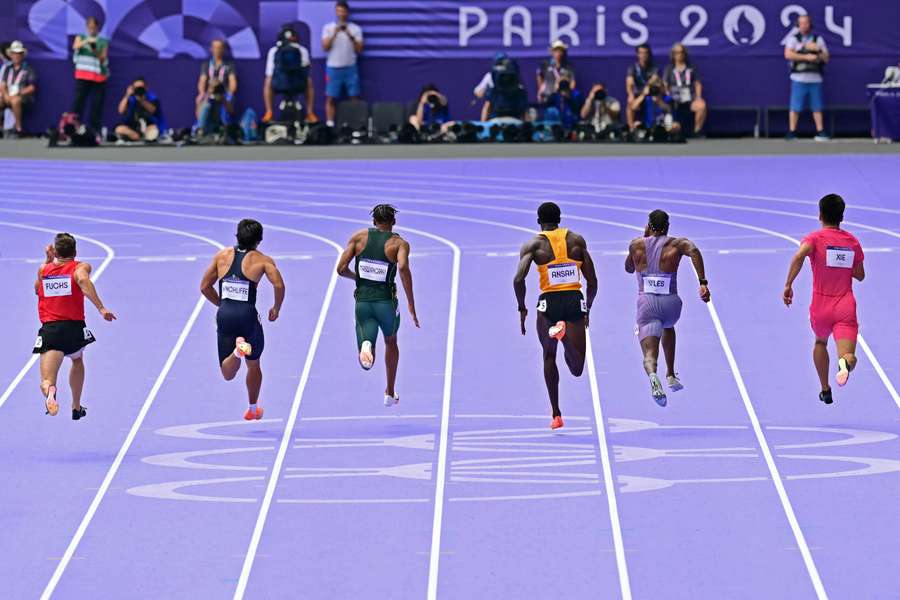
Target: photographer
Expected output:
[651,108]
[288,73]
[506,98]
[564,104]
[432,109]
[89,53]
[639,74]
[343,41]
[808,56]
[550,72]
[216,87]
[18,86]
[601,110]
[142,117]
[684,87]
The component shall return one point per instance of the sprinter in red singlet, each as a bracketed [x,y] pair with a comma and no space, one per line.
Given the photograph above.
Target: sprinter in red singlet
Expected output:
[61,287]
[836,257]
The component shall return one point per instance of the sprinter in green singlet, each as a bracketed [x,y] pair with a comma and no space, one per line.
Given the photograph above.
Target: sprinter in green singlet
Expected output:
[380,255]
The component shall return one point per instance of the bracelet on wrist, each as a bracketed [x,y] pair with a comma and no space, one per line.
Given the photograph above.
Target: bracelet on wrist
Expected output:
[704,282]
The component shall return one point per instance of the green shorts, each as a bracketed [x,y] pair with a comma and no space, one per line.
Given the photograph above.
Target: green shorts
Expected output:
[372,315]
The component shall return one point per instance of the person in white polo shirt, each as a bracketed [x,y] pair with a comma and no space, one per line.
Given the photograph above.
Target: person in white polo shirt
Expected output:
[343,41]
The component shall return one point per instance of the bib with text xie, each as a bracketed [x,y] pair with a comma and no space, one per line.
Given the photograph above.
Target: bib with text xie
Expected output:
[563,274]
[236,289]
[842,258]
[57,285]
[373,270]
[657,284]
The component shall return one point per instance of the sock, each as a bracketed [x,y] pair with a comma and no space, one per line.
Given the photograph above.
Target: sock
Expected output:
[253,409]
[237,354]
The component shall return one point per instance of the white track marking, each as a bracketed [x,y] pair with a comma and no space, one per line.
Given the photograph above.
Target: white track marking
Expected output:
[95,275]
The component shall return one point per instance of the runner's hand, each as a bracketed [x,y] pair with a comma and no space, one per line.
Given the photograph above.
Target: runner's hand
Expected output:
[412,313]
[587,319]
[273,314]
[50,252]
[107,314]
[788,295]
[704,293]
[523,314]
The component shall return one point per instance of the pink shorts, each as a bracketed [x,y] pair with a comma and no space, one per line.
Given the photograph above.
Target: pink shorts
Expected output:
[834,315]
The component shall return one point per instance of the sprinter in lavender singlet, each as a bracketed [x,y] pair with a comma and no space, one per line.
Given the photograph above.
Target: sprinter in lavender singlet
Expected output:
[655,258]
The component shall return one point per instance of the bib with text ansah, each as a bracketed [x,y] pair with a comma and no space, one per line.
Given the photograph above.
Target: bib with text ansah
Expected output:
[373,270]
[842,258]
[57,285]
[563,274]
[658,284]
[236,289]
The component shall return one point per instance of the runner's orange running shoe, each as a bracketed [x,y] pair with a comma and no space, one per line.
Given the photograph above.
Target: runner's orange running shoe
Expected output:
[556,423]
[254,415]
[558,331]
[242,347]
[51,403]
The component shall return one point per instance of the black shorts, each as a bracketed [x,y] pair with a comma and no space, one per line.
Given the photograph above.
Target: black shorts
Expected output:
[568,306]
[67,337]
[252,333]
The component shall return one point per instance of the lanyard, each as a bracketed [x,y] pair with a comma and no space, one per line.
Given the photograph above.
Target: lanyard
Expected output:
[12,78]
[217,72]
[686,73]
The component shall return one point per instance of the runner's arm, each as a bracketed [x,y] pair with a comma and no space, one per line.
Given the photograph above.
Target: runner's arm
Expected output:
[207,283]
[277,281]
[859,271]
[83,279]
[793,271]
[590,276]
[406,278]
[689,249]
[629,260]
[343,266]
[37,283]
[526,256]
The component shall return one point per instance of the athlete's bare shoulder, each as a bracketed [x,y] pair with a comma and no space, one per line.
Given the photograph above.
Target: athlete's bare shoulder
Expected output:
[575,240]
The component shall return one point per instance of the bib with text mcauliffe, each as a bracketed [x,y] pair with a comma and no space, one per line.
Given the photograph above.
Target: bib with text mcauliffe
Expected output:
[236,289]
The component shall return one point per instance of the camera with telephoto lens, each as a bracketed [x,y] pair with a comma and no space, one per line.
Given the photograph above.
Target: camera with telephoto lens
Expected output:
[655,91]
[140,91]
[565,85]
[433,100]
[218,91]
[600,95]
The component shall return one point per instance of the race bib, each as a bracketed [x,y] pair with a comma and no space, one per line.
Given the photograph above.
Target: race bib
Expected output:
[584,307]
[373,270]
[563,274]
[841,258]
[57,285]
[236,289]
[657,284]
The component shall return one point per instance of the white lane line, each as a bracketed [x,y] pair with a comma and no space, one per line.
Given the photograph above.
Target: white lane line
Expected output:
[607,475]
[286,437]
[95,275]
[132,433]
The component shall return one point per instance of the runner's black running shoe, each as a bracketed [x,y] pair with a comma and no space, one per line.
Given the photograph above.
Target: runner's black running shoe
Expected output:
[79,413]
[825,396]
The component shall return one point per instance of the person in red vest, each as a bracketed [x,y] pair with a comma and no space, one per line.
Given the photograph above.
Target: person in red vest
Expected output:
[61,287]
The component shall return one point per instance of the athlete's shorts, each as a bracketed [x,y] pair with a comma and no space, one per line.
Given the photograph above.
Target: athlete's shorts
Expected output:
[68,337]
[568,306]
[372,315]
[231,327]
[656,312]
[834,315]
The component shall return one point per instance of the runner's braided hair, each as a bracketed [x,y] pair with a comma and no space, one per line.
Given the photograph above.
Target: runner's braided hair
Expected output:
[385,214]
[659,222]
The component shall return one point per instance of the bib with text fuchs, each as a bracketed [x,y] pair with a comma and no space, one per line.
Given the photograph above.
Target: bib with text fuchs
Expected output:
[236,289]
[841,258]
[57,285]
[563,274]
[657,284]
[373,270]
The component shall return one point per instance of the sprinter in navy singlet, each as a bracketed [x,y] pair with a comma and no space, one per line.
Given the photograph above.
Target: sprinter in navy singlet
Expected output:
[236,273]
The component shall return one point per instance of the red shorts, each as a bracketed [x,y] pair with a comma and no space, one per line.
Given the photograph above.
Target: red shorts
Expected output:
[834,315]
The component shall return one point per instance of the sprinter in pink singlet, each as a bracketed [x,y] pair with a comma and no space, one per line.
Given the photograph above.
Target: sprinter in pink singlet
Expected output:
[837,259]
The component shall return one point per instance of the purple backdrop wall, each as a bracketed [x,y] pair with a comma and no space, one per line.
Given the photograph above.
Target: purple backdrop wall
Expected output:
[736,47]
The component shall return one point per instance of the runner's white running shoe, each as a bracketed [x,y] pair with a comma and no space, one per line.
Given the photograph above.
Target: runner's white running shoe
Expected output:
[674,383]
[656,390]
[391,400]
[366,356]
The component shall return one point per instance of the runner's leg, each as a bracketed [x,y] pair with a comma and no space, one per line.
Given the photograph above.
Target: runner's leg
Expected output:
[50,363]
[575,347]
[820,359]
[391,360]
[551,372]
[254,380]
[650,349]
[76,380]
[668,344]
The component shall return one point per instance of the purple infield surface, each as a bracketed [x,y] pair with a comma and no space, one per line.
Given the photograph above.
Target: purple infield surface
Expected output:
[745,486]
